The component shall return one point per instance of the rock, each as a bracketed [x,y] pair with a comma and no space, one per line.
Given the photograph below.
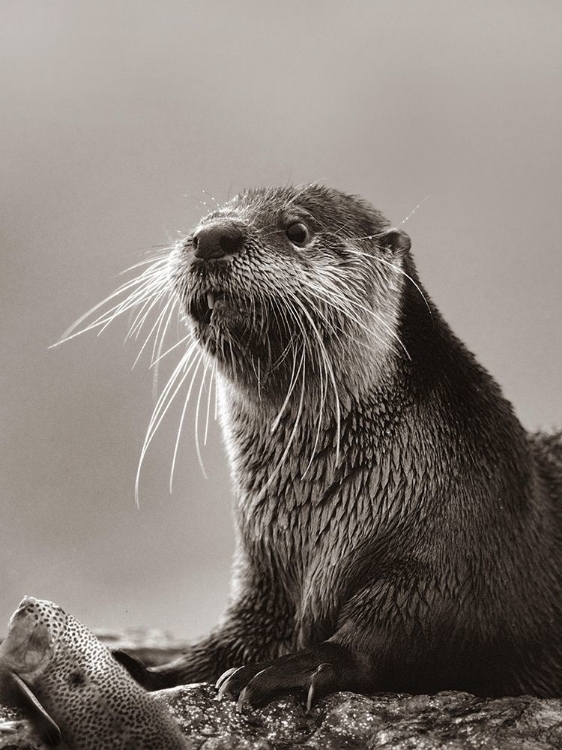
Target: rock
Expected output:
[451,721]
[344,721]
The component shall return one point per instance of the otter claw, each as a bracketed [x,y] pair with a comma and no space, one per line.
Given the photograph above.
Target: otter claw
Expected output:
[310,698]
[321,678]
[242,700]
[225,675]
[222,682]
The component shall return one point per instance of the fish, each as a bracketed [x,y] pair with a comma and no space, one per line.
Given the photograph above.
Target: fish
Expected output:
[73,690]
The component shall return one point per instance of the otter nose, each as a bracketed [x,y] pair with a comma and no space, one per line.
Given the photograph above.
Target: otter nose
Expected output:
[218,240]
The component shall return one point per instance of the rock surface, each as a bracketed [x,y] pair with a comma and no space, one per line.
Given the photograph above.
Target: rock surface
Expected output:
[344,721]
[350,721]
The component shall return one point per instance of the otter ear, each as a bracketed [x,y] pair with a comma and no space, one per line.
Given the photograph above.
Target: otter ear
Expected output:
[395,240]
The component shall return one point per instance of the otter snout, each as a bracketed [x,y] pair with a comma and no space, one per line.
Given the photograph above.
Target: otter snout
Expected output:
[220,239]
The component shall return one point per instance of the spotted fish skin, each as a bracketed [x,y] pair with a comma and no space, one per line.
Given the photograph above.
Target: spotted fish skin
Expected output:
[91,697]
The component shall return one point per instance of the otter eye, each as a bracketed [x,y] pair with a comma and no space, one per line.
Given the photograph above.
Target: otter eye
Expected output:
[298,233]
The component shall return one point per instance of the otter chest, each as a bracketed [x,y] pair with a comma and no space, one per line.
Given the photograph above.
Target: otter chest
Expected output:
[301,533]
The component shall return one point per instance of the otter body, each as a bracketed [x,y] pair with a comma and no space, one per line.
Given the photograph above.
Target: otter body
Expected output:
[398,529]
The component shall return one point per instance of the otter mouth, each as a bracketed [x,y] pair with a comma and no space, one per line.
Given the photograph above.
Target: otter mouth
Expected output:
[203,304]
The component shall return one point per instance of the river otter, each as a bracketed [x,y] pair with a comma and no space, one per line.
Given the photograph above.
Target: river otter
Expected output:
[398,529]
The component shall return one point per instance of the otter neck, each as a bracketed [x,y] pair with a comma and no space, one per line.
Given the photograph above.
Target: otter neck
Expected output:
[303,449]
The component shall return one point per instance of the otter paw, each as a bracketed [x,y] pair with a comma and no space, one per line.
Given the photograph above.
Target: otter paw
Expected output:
[259,683]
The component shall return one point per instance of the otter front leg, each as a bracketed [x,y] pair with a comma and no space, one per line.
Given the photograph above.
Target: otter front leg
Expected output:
[380,643]
[256,626]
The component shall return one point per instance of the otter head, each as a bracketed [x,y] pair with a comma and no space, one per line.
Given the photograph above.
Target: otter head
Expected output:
[285,286]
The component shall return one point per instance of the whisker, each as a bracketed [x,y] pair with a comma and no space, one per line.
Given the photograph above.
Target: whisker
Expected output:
[274,473]
[211,382]
[212,197]
[303,190]
[216,396]
[159,338]
[316,294]
[394,267]
[414,210]
[163,404]
[187,337]
[148,261]
[198,404]
[198,359]
[323,374]
[140,318]
[292,383]
[329,372]
[154,328]
[409,278]
[347,312]
[178,435]
[151,280]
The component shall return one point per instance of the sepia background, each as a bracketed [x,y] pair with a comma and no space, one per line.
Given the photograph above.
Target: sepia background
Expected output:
[116,116]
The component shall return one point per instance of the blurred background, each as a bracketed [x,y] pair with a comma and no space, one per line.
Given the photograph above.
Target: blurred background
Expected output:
[116,116]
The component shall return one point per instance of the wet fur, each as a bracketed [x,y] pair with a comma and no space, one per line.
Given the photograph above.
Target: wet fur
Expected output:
[394,519]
